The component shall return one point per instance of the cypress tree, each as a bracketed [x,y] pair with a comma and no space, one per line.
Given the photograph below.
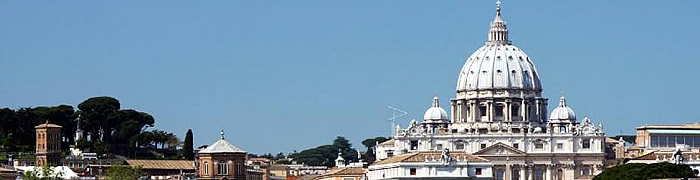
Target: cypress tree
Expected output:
[188,146]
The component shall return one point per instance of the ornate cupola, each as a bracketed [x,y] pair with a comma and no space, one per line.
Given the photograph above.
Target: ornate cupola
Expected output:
[435,114]
[562,113]
[498,33]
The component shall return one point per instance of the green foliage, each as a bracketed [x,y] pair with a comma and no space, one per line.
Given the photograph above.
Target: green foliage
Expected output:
[325,155]
[370,143]
[97,113]
[122,172]
[42,173]
[637,171]
[188,146]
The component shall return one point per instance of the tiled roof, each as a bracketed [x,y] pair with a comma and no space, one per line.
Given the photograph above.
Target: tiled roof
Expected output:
[47,125]
[667,155]
[347,171]
[428,156]
[222,146]
[162,164]
[389,142]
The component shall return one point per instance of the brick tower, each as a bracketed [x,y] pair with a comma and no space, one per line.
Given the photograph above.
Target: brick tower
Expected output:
[48,144]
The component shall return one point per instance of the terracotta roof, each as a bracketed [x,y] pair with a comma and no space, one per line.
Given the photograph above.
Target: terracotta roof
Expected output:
[47,125]
[389,142]
[259,159]
[7,170]
[666,155]
[278,167]
[348,171]
[162,164]
[428,156]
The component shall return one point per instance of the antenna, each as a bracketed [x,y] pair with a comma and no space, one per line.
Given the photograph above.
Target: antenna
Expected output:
[394,116]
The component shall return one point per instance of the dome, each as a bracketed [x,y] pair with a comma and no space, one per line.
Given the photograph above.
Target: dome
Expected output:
[498,64]
[435,112]
[562,112]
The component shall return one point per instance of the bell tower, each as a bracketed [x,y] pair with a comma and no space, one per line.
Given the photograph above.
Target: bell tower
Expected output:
[48,144]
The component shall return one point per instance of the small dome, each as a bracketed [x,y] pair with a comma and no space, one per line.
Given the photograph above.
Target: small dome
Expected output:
[562,112]
[435,112]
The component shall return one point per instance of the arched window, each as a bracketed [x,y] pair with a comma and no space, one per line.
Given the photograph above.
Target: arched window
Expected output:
[205,168]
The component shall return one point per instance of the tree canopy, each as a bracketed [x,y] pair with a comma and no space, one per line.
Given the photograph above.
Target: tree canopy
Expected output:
[123,172]
[325,155]
[635,171]
[108,128]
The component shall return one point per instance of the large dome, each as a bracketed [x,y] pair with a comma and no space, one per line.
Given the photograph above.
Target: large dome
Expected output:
[498,64]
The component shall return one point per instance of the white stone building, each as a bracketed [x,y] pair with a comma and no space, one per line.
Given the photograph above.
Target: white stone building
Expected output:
[431,165]
[499,114]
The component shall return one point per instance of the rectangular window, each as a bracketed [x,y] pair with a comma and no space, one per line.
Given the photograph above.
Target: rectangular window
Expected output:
[460,146]
[516,145]
[515,130]
[478,171]
[483,145]
[413,171]
[560,146]
[586,143]
[539,145]
[482,111]
[390,154]
[439,147]
[414,145]
[499,111]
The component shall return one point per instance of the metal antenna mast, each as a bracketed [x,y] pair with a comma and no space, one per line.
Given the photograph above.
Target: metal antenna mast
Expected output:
[394,116]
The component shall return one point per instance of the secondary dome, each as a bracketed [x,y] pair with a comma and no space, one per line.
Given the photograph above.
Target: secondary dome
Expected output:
[562,112]
[498,64]
[435,112]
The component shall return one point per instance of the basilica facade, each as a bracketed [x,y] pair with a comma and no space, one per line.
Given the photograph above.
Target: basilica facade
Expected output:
[499,114]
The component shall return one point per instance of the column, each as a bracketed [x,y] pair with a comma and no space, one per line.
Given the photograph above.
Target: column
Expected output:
[530,171]
[523,110]
[507,173]
[453,111]
[458,112]
[548,174]
[489,107]
[522,172]
[506,114]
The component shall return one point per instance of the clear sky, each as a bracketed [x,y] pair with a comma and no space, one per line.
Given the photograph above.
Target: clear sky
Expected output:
[288,75]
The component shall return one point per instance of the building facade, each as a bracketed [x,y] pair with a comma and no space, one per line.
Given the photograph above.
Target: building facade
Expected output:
[48,144]
[499,114]
[678,144]
[221,160]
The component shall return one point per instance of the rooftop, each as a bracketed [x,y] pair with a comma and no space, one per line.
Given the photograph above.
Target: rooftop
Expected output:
[427,155]
[162,164]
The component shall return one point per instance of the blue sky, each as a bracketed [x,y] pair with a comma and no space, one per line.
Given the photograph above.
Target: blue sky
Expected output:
[284,75]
